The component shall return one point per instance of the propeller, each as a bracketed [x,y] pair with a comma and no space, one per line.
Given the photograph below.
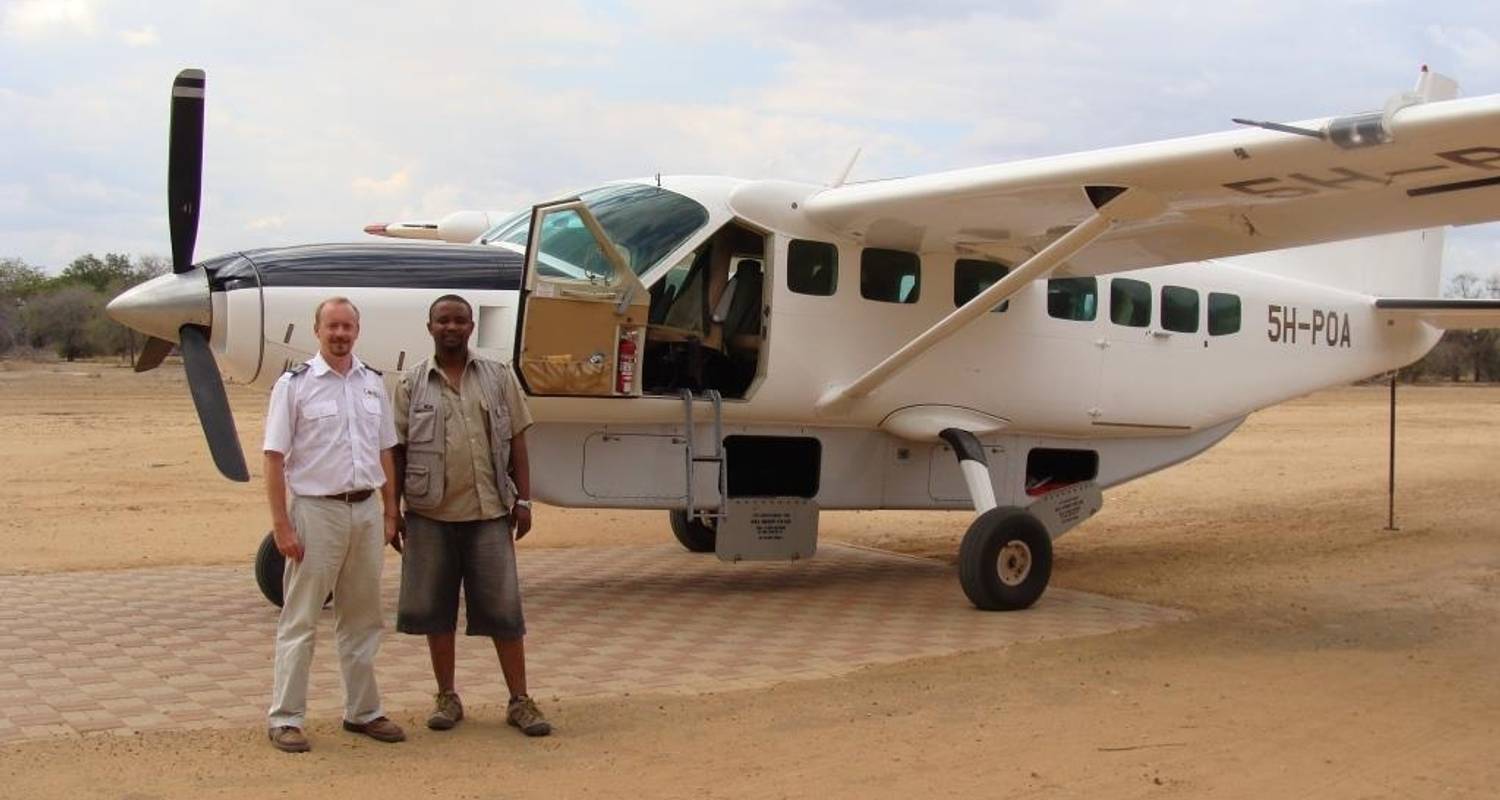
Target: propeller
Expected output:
[184,191]
[153,352]
[212,403]
[185,166]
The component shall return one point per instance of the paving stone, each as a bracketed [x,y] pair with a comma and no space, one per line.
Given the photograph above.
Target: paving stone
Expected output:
[191,647]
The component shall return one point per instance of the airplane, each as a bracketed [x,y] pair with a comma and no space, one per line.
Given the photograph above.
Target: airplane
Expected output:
[1009,339]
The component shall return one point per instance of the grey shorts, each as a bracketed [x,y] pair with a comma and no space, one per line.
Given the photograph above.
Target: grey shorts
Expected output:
[438,557]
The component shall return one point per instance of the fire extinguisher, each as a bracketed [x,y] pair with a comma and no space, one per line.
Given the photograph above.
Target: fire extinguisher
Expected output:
[625,363]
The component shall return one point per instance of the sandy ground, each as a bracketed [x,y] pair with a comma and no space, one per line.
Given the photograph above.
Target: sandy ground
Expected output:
[1327,657]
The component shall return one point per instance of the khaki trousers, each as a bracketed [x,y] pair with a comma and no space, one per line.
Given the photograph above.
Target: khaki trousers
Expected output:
[343,548]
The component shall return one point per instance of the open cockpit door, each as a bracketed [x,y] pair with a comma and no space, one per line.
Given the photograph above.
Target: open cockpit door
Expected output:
[583,311]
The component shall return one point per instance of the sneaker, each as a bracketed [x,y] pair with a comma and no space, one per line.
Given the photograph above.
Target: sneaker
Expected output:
[288,739]
[523,713]
[379,729]
[447,711]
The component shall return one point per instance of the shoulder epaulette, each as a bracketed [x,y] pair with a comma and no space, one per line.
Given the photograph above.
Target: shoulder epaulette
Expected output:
[298,369]
[376,371]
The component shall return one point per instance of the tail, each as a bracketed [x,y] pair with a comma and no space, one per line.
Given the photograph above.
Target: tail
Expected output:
[1406,264]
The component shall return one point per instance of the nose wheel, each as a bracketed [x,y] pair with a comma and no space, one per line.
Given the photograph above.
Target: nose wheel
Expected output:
[694,534]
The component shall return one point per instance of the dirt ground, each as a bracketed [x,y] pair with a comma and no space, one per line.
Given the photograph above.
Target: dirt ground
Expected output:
[1328,657]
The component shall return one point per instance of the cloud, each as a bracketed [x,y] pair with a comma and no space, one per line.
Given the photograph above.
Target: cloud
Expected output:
[272,222]
[144,36]
[397,181]
[30,19]
[1477,50]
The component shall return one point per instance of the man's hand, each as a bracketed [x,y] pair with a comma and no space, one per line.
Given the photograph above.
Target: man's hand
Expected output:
[399,543]
[520,522]
[287,540]
[392,530]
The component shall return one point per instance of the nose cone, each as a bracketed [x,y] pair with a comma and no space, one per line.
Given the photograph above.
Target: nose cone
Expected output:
[161,305]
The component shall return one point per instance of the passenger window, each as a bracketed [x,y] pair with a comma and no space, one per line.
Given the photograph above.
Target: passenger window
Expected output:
[1130,302]
[1223,314]
[1073,298]
[812,267]
[1179,309]
[890,276]
[972,276]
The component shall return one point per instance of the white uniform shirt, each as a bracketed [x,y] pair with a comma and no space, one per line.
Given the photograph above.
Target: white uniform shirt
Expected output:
[331,428]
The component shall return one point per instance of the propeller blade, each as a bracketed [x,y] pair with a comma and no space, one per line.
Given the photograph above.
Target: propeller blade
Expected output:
[212,403]
[152,353]
[185,166]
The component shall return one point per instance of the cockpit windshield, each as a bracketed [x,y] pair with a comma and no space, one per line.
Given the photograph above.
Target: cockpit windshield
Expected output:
[645,222]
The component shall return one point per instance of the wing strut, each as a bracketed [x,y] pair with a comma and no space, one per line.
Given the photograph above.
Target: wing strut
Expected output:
[1113,205]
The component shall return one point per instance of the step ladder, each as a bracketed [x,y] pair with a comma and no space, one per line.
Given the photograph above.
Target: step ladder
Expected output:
[721,510]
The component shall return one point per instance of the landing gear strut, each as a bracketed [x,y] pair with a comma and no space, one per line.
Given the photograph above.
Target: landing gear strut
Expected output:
[1005,559]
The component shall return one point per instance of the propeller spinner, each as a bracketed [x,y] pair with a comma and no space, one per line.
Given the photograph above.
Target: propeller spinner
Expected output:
[177,307]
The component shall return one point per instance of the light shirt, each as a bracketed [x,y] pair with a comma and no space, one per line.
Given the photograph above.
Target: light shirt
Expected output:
[470,489]
[331,428]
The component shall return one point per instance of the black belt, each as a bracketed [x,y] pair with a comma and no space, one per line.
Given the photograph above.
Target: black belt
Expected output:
[351,497]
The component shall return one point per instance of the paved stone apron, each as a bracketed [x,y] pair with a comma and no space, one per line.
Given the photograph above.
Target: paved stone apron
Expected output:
[190,647]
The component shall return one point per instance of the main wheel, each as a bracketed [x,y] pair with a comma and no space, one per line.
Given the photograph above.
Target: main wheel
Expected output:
[269,564]
[1005,560]
[695,535]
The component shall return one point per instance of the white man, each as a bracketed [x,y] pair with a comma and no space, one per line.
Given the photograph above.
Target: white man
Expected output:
[461,421]
[329,439]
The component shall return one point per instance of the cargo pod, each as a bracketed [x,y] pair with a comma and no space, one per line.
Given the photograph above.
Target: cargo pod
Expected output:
[582,322]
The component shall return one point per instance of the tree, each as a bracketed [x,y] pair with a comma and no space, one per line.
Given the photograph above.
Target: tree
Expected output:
[62,318]
[99,274]
[18,281]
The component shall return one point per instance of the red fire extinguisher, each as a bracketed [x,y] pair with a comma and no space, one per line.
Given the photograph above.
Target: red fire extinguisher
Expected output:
[625,363]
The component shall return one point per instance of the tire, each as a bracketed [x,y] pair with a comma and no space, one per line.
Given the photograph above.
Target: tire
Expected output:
[1005,560]
[693,534]
[269,564]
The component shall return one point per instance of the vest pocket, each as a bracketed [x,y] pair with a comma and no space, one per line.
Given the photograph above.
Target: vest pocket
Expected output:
[418,482]
[423,424]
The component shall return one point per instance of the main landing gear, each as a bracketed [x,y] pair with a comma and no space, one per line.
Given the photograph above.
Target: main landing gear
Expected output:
[1005,559]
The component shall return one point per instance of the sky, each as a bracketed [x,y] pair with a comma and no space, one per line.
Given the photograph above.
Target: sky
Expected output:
[324,117]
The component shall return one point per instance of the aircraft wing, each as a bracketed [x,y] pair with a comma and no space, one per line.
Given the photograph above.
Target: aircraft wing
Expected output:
[1418,165]
[1448,314]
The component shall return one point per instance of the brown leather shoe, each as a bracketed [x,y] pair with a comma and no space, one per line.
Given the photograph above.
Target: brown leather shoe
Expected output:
[288,739]
[379,729]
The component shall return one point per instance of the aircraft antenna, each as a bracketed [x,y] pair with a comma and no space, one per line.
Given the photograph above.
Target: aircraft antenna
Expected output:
[849,167]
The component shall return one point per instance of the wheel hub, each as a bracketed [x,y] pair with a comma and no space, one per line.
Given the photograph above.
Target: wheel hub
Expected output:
[1014,563]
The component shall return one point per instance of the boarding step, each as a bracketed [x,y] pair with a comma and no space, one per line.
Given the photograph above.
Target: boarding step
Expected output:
[717,512]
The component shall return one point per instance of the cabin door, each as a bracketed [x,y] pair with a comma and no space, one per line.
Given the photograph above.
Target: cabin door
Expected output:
[581,329]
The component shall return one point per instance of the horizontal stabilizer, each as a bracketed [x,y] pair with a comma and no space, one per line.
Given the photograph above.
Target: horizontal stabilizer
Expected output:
[1443,313]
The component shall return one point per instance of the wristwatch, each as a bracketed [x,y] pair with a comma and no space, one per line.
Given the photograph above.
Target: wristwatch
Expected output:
[523,504]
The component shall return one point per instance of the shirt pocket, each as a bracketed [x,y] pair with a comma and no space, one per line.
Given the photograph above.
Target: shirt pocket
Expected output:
[320,411]
[422,426]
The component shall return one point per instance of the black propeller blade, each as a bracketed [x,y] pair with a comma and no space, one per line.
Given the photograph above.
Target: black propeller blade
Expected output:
[184,187]
[185,166]
[212,403]
[152,353]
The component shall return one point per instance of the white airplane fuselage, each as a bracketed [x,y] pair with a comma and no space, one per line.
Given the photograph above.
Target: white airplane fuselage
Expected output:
[1141,397]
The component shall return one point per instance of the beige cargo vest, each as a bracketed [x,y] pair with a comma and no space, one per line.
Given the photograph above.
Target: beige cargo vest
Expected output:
[425,435]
